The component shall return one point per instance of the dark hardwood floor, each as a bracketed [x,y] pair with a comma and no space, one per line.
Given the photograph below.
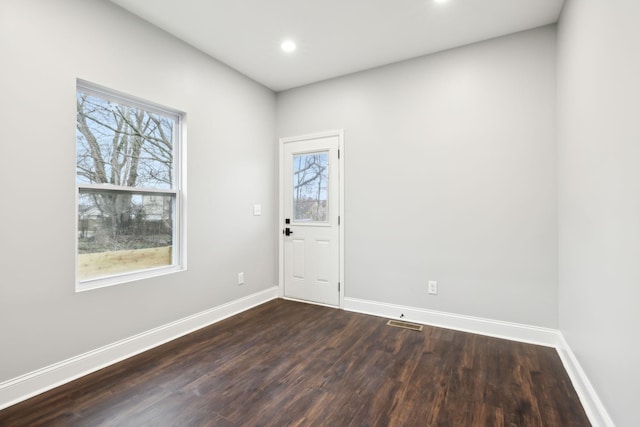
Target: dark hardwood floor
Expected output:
[286,363]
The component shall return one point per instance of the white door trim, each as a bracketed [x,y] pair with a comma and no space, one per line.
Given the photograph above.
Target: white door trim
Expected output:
[340,134]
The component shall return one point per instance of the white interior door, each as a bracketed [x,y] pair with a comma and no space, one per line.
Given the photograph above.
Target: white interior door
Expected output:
[311,213]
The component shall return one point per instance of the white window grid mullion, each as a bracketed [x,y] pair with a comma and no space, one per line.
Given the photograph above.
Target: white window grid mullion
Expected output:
[121,189]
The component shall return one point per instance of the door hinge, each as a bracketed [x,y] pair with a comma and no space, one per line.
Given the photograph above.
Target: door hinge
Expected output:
[338,219]
[338,153]
[338,286]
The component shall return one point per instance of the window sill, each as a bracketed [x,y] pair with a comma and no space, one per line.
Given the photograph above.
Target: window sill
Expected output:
[87,285]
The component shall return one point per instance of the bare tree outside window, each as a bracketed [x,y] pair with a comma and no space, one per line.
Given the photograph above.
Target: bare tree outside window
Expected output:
[126,182]
[310,187]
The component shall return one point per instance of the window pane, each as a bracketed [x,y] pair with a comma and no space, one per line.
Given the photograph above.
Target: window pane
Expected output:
[120,232]
[310,187]
[122,145]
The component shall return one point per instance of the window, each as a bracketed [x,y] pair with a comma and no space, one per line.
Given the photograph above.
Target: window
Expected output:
[310,196]
[128,179]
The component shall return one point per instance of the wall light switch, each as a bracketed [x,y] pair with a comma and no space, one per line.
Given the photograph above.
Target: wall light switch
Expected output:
[257,210]
[240,278]
[433,287]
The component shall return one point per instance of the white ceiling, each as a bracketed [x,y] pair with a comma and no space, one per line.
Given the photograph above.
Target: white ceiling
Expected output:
[334,37]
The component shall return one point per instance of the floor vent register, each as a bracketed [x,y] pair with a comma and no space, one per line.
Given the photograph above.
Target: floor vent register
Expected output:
[405,325]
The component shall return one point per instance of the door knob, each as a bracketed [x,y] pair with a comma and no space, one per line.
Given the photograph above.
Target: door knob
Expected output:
[287,231]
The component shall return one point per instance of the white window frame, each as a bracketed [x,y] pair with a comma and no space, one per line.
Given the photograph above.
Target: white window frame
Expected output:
[177,192]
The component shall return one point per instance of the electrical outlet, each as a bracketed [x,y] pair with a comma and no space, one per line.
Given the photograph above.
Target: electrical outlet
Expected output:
[240,278]
[433,287]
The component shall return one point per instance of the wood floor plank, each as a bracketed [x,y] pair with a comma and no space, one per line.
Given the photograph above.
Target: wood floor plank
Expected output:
[286,363]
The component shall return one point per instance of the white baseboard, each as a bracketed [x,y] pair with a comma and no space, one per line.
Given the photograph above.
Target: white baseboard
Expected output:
[41,380]
[477,325]
[588,397]
[512,331]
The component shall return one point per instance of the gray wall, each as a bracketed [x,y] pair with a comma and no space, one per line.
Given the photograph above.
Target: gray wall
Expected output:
[599,193]
[45,45]
[450,176]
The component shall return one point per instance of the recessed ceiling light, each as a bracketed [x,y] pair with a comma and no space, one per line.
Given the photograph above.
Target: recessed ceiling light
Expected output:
[288,46]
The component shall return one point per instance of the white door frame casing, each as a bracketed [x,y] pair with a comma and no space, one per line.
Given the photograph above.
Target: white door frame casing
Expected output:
[340,134]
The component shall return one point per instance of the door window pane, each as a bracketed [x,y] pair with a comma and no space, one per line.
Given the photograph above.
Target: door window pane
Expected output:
[310,187]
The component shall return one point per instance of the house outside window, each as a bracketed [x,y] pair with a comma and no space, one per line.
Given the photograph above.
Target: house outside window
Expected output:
[128,177]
